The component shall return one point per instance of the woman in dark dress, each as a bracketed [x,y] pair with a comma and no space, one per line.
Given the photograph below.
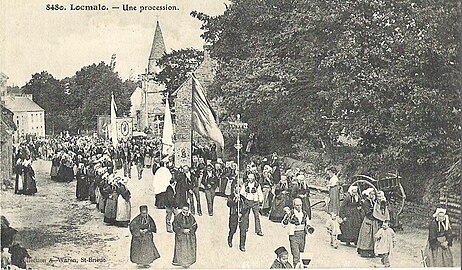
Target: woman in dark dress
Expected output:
[438,251]
[82,187]
[301,190]
[30,186]
[369,226]
[350,213]
[67,168]
[110,209]
[281,200]
[54,167]
[266,186]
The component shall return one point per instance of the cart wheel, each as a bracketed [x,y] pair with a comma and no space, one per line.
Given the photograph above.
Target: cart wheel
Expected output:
[363,183]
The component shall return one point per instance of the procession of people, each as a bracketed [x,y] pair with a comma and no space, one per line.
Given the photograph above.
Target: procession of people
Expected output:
[267,189]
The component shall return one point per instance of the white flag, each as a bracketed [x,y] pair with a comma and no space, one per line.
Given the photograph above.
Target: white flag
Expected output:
[167,134]
[113,121]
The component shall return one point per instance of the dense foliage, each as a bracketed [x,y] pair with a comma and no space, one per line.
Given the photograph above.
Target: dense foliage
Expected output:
[74,103]
[176,66]
[386,74]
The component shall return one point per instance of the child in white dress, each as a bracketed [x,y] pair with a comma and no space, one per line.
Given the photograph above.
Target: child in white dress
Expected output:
[384,243]
[333,228]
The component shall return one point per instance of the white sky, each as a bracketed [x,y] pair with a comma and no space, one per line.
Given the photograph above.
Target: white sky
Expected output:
[33,39]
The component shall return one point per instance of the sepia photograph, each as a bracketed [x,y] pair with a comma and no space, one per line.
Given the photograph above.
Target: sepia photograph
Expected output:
[230,134]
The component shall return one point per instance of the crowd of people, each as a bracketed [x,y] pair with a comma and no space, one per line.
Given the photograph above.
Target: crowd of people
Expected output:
[266,188]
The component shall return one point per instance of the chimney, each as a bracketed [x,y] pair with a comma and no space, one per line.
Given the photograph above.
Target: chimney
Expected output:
[29,96]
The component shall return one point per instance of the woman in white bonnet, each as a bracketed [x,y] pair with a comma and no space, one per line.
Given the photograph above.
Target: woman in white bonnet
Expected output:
[438,251]
[369,226]
[350,213]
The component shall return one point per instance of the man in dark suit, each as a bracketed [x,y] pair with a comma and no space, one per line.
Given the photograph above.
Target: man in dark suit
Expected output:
[209,181]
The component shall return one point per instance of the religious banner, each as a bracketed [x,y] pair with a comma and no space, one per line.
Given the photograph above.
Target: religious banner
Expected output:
[182,154]
[124,127]
[183,128]
[103,125]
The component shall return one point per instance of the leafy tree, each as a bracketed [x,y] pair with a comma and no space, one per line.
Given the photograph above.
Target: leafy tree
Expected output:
[385,73]
[49,94]
[74,103]
[46,91]
[176,66]
[89,95]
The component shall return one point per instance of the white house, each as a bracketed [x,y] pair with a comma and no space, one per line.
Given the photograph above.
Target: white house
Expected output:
[28,116]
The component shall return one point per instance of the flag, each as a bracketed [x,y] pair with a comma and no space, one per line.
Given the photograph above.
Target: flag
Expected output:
[204,118]
[113,121]
[167,134]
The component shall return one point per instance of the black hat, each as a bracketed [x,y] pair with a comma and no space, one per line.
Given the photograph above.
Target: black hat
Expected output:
[143,207]
[280,250]
[185,205]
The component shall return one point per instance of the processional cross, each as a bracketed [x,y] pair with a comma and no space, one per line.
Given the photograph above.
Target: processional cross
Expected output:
[239,126]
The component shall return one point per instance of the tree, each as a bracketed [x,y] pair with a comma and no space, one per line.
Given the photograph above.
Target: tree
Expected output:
[48,93]
[385,73]
[74,103]
[176,66]
[89,95]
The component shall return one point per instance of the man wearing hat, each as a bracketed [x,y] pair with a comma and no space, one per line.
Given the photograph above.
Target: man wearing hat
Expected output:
[282,260]
[210,182]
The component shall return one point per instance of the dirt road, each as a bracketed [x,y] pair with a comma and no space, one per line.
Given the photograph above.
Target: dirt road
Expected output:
[63,233]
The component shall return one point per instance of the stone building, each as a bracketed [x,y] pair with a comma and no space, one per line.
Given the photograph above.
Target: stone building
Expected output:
[147,100]
[205,74]
[7,129]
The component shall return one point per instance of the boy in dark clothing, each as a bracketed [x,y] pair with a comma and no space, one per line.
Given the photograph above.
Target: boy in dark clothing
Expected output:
[235,210]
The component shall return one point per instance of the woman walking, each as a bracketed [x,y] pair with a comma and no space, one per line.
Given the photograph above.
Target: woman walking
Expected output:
[438,251]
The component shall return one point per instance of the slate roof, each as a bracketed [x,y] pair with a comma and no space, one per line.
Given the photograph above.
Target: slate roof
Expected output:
[21,104]
[158,45]
[7,118]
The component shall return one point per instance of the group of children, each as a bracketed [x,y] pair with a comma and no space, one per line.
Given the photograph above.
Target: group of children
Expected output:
[384,238]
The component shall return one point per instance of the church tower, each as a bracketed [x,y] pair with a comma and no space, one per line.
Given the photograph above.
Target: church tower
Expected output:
[157,50]
[147,100]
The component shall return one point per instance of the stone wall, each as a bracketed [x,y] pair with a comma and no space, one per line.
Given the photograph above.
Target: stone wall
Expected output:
[6,147]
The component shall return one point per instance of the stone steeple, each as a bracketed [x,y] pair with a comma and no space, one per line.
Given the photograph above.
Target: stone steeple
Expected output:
[157,50]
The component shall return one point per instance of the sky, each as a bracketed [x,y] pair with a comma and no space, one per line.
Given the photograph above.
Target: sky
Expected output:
[33,39]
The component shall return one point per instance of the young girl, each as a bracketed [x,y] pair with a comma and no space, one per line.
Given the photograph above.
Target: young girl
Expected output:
[333,228]
[384,242]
